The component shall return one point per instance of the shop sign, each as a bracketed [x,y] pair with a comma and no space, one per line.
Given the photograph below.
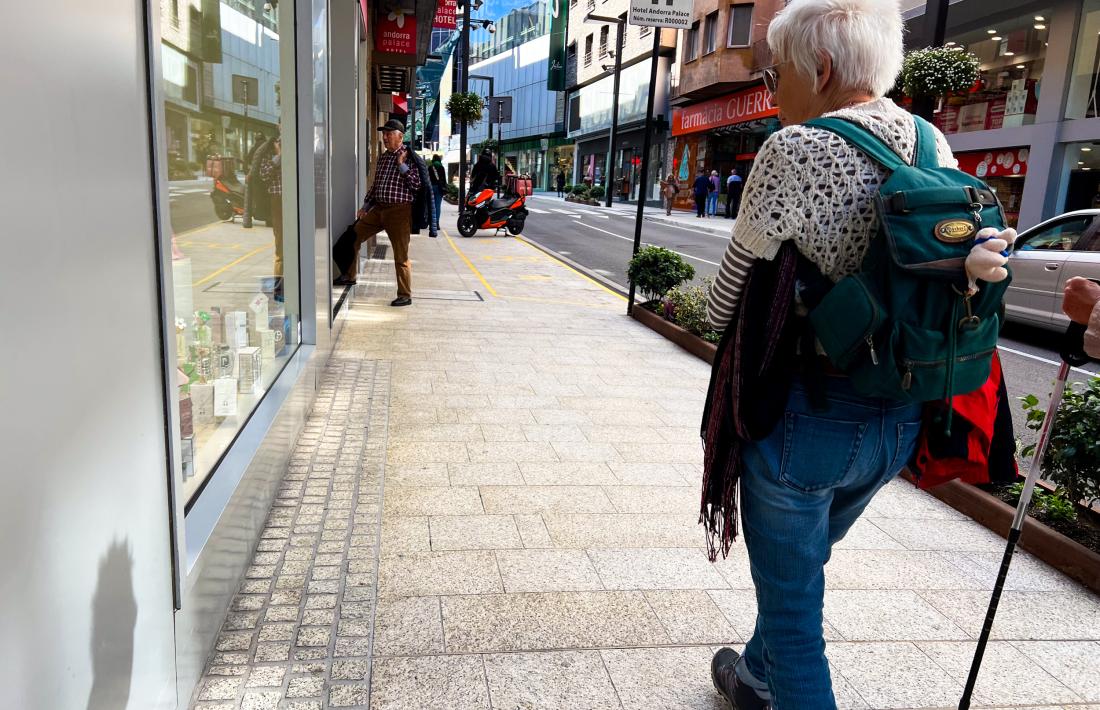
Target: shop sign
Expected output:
[559,24]
[675,14]
[1003,162]
[748,105]
[395,32]
[446,15]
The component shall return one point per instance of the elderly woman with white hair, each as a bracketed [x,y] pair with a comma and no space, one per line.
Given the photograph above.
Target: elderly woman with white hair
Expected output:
[804,485]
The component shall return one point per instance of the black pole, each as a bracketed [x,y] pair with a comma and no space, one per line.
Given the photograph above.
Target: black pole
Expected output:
[464,84]
[643,185]
[412,114]
[935,31]
[500,143]
[614,110]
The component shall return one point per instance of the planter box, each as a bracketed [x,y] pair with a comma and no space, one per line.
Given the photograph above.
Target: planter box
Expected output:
[1052,547]
[692,343]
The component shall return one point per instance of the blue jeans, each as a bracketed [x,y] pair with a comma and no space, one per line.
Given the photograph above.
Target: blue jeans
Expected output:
[712,203]
[437,192]
[802,488]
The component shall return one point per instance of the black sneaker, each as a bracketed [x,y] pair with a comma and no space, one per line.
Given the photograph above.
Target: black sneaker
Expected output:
[401,301]
[729,686]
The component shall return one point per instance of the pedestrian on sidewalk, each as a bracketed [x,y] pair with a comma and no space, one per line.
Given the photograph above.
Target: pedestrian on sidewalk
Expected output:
[438,175]
[388,206]
[700,189]
[560,181]
[271,170]
[1082,305]
[712,194]
[805,484]
[670,187]
[734,183]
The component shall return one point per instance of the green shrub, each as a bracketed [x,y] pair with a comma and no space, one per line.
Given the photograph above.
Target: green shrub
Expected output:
[580,190]
[1053,506]
[596,192]
[656,270]
[938,71]
[465,106]
[1073,457]
[686,306]
[568,189]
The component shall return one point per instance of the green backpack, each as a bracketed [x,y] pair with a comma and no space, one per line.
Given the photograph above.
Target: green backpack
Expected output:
[903,327]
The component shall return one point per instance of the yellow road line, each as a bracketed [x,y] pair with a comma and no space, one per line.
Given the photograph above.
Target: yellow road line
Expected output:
[233,263]
[557,302]
[196,230]
[584,276]
[469,264]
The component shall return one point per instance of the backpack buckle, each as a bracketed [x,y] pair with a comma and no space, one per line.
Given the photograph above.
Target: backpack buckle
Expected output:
[896,203]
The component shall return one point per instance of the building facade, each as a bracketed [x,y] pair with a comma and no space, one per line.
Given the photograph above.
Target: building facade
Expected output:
[590,99]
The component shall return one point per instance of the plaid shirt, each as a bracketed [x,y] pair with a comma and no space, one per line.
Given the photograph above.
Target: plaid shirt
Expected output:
[390,185]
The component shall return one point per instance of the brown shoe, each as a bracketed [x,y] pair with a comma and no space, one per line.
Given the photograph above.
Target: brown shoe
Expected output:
[401,301]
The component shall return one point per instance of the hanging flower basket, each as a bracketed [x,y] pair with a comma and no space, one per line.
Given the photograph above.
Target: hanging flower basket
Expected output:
[465,107]
[938,71]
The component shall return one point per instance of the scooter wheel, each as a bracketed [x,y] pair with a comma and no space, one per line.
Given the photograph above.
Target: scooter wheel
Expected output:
[466,225]
[223,210]
[515,226]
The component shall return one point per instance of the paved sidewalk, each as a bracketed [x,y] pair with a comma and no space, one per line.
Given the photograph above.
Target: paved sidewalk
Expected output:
[683,218]
[533,456]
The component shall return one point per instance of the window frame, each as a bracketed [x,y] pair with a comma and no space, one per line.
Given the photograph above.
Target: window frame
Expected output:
[691,44]
[710,31]
[731,26]
[588,50]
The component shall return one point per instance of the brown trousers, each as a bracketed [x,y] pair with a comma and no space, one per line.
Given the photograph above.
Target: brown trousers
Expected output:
[277,228]
[397,221]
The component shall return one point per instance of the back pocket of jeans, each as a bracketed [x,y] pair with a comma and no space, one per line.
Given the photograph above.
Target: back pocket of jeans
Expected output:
[818,452]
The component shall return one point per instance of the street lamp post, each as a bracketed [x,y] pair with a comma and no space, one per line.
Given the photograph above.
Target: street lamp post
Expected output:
[643,183]
[464,84]
[619,23]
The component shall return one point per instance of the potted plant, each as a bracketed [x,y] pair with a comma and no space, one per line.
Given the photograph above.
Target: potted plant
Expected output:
[656,271]
[595,194]
[450,194]
[465,107]
[1073,458]
[938,71]
[686,306]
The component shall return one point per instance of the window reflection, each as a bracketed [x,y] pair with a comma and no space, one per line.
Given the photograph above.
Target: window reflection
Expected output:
[229,136]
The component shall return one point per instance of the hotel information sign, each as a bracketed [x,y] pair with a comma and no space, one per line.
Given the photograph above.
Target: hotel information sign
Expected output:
[674,14]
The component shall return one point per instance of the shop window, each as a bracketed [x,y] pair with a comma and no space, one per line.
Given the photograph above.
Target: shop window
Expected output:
[1012,54]
[740,31]
[1083,88]
[691,44]
[1004,170]
[711,26]
[1082,171]
[233,307]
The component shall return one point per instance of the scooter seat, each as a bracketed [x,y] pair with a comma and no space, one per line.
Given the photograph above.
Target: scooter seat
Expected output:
[500,203]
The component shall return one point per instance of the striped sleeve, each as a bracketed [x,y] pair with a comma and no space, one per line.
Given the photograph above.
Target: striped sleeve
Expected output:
[725,292]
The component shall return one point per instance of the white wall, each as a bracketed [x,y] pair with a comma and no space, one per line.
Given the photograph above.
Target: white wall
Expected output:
[85,573]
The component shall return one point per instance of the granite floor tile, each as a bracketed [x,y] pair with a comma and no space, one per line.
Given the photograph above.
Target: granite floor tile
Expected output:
[663,678]
[1027,574]
[1024,616]
[956,535]
[633,452]
[893,569]
[434,500]
[562,620]
[665,568]
[739,608]
[423,452]
[653,499]
[567,473]
[691,617]
[865,535]
[566,680]
[1076,664]
[419,574]
[585,452]
[533,532]
[485,474]
[408,626]
[622,530]
[886,615]
[1007,676]
[411,474]
[547,571]
[510,500]
[429,682]
[507,452]
[405,534]
[436,433]
[894,675]
[649,474]
[901,499]
[474,532]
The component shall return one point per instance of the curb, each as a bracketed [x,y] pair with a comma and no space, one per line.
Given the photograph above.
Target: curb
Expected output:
[693,344]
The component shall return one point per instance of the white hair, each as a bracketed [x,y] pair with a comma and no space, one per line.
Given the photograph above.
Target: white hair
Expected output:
[862,37]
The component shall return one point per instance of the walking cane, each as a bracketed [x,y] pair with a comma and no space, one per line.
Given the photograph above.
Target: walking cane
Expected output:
[1072,355]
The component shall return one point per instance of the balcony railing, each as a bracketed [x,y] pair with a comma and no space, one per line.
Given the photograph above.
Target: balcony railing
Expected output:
[587,58]
[761,55]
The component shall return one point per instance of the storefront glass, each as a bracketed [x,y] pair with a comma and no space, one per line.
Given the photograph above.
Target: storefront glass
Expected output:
[231,158]
[1082,177]
[1004,170]
[1082,101]
[1012,55]
[563,162]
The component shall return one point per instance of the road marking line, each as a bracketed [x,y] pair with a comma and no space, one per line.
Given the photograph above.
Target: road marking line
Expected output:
[1048,361]
[196,230]
[701,233]
[629,239]
[231,264]
[470,264]
[536,210]
[584,276]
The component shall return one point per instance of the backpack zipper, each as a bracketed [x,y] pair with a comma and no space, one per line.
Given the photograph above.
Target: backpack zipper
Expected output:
[907,377]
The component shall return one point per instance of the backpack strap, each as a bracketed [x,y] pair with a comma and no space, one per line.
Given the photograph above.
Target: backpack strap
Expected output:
[925,150]
[861,138]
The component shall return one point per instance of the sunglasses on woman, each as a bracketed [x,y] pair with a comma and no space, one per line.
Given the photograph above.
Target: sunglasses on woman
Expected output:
[771,78]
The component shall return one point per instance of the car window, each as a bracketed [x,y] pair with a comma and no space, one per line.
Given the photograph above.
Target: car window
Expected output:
[1061,236]
[1090,240]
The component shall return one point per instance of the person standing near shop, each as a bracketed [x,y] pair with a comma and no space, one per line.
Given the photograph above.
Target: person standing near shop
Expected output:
[734,184]
[712,196]
[388,206]
[271,170]
[438,176]
[700,189]
[560,181]
[670,187]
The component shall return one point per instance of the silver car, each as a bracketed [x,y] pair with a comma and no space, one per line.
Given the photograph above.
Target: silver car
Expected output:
[1044,257]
